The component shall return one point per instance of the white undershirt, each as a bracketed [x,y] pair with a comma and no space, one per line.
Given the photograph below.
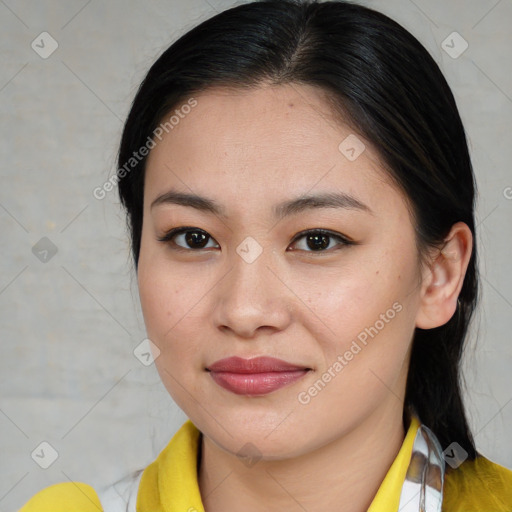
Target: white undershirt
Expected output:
[121,496]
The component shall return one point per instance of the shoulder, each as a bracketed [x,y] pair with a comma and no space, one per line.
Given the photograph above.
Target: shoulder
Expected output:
[64,497]
[476,485]
[77,496]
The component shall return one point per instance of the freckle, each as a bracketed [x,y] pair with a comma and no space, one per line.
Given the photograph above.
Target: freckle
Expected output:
[290,104]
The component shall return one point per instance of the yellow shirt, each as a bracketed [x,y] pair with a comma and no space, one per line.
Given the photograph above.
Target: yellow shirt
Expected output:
[169,484]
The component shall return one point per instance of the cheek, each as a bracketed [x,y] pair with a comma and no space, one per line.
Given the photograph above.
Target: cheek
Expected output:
[373,303]
[172,298]
[168,299]
[354,294]
[168,293]
[364,353]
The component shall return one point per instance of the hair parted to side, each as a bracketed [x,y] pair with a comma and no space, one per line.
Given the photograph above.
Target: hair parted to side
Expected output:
[387,87]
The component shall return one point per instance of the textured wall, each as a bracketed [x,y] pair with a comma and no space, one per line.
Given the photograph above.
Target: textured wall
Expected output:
[70,316]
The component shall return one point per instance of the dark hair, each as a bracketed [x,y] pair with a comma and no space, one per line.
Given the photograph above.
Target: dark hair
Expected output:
[387,87]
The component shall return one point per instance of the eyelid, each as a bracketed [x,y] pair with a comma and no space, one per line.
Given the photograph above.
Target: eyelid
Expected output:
[168,235]
[328,232]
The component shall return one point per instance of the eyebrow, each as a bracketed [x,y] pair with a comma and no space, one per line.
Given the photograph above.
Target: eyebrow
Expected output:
[280,211]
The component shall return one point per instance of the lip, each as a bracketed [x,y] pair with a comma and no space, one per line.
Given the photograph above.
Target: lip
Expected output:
[256,376]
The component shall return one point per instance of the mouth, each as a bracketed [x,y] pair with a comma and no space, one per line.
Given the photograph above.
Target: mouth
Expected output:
[255,377]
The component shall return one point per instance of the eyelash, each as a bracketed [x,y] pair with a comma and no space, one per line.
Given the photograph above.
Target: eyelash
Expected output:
[343,240]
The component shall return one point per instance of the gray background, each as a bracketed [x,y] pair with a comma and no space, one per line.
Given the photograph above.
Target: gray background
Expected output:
[69,325]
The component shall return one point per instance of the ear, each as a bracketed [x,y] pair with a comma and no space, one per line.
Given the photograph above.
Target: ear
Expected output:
[443,278]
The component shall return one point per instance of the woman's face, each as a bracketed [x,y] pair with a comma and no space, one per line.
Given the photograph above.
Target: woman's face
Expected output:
[245,281]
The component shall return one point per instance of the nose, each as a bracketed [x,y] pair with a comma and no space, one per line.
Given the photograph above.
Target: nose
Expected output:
[252,298]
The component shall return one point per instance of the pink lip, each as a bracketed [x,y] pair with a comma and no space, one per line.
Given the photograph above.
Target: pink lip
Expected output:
[256,376]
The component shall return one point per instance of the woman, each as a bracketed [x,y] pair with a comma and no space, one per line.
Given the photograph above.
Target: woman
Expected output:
[300,200]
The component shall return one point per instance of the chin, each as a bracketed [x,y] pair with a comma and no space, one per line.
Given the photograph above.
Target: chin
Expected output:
[262,435]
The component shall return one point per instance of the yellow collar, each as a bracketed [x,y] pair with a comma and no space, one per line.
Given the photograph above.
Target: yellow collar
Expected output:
[170,484]
[388,495]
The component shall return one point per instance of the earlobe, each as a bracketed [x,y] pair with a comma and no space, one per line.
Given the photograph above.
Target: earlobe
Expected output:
[441,287]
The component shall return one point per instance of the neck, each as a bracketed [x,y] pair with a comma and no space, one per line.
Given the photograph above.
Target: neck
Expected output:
[343,475]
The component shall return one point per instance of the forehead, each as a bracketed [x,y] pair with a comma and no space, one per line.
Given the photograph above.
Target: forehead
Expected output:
[272,142]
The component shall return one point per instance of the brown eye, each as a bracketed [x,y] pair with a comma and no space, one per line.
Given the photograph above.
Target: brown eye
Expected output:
[315,240]
[187,238]
[319,240]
